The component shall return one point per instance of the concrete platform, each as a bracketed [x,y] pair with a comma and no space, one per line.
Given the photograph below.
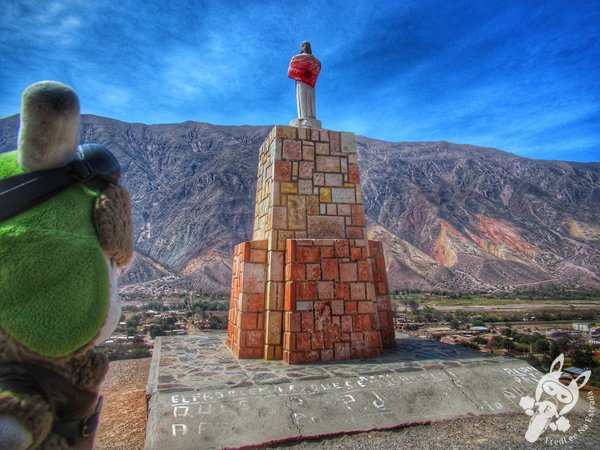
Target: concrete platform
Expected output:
[200,396]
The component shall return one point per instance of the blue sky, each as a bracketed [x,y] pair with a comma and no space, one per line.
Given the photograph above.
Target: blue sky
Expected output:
[522,76]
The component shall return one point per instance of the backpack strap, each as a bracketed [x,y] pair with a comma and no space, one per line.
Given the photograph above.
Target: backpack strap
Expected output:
[95,166]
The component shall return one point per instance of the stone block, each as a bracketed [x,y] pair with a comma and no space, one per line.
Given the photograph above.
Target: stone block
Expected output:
[292,150]
[289,187]
[285,132]
[279,218]
[357,291]
[325,290]
[328,164]
[337,307]
[296,212]
[348,142]
[333,179]
[283,171]
[329,268]
[307,254]
[306,290]
[348,272]
[353,175]
[366,307]
[274,321]
[322,149]
[326,227]
[342,350]
[313,272]
[254,278]
[343,195]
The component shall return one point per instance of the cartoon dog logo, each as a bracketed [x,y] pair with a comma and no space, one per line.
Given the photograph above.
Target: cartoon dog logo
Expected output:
[550,395]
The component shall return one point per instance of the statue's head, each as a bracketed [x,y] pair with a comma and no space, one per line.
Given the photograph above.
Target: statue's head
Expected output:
[305,47]
[49,131]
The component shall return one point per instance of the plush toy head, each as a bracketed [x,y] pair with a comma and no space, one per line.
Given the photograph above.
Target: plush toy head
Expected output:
[49,131]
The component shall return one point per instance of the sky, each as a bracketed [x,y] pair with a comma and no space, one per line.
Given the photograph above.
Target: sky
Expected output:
[522,76]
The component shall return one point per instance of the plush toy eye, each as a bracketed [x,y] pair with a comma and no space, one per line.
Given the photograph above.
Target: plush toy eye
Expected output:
[549,389]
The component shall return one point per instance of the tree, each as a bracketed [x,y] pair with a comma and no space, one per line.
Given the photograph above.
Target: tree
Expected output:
[156,330]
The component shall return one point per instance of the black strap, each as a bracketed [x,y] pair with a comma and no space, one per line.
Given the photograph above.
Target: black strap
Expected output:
[71,406]
[95,166]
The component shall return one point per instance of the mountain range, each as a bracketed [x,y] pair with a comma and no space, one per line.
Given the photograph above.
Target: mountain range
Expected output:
[451,217]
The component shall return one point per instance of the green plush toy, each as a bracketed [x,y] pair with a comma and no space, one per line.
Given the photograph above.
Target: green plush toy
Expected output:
[58,299]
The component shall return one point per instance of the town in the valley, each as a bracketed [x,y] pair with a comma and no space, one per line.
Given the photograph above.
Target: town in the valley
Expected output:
[535,325]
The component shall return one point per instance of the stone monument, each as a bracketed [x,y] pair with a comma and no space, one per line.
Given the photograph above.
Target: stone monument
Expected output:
[310,286]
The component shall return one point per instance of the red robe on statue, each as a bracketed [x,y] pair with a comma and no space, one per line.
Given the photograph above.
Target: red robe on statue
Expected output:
[305,68]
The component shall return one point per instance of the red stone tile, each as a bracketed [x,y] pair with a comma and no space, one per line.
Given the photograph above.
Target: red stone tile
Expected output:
[258,256]
[341,249]
[303,341]
[353,175]
[348,272]
[372,339]
[355,253]
[342,350]
[248,321]
[249,352]
[327,252]
[366,307]
[295,321]
[357,291]
[364,271]
[330,268]
[342,291]
[327,355]
[346,324]
[295,272]
[283,170]
[381,288]
[292,149]
[325,290]
[337,307]
[260,321]
[322,315]
[358,215]
[364,322]
[307,254]
[313,271]
[318,340]
[289,299]
[308,321]
[246,247]
[255,338]
[256,302]
[306,290]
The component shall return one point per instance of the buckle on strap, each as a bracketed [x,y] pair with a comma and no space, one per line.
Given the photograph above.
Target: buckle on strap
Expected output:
[84,427]
[89,424]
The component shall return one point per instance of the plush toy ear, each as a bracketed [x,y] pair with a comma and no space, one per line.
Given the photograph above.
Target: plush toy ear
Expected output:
[560,359]
[586,376]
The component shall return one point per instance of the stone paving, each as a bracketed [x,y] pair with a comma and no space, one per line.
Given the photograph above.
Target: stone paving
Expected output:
[201,396]
[204,362]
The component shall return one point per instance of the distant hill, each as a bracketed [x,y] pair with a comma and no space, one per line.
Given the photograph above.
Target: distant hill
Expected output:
[451,217]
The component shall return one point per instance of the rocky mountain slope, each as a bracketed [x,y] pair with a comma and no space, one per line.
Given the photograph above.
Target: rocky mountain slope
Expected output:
[452,217]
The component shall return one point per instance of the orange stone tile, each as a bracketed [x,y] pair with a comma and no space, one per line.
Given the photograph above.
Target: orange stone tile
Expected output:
[258,256]
[355,253]
[327,252]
